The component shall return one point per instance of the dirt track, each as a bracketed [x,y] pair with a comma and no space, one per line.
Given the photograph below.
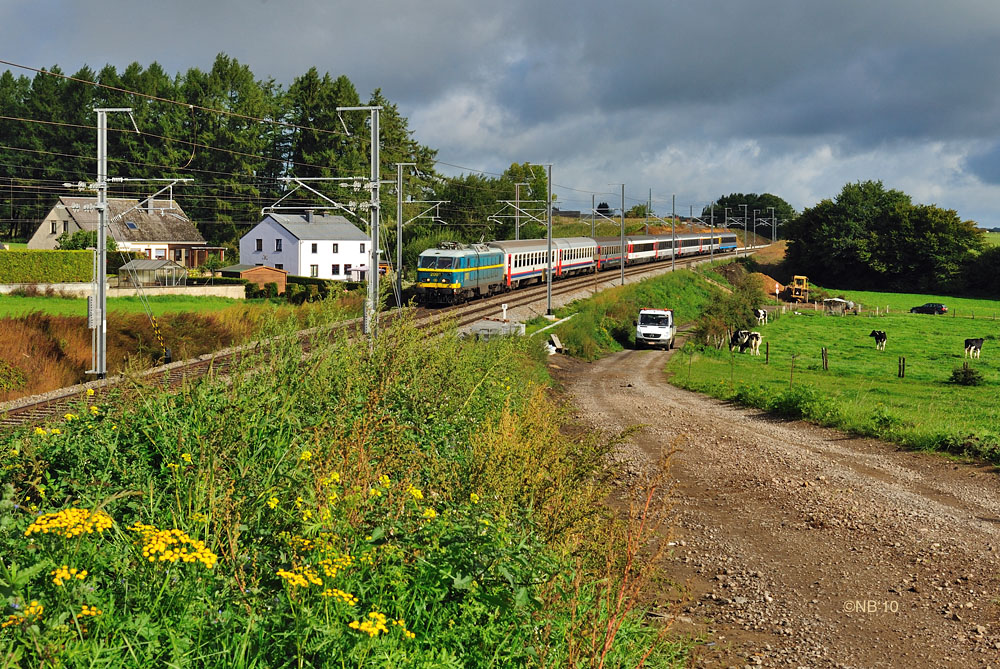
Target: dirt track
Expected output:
[783,531]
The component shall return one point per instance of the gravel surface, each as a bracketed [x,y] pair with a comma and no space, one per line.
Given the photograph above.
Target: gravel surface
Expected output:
[800,546]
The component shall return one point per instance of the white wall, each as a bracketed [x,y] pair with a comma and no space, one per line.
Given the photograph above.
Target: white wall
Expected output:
[348,252]
[268,231]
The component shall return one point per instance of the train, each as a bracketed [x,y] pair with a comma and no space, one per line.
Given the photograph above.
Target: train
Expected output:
[456,272]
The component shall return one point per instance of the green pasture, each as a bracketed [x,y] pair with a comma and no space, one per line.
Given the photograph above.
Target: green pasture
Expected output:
[958,307]
[861,392]
[992,238]
[14,305]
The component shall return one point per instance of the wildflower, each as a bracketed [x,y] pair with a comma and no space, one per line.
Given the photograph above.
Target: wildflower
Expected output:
[430,513]
[305,456]
[90,392]
[298,502]
[172,545]
[89,611]
[332,478]
[186,457]
[94,410]
[173,465]
[374,626]
[64,573]
[55,430]
[30,614]
[70,417]
[331,566]
[474,498]
[41,431]
[306,514]
[384,481]
[374,492]
[199,518]
[70,523]
[273,502]
[345,597]
[402,626]
[300,577]
[415,492]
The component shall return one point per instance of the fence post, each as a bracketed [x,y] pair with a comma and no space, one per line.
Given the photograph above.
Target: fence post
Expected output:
[767,352]
[902,367]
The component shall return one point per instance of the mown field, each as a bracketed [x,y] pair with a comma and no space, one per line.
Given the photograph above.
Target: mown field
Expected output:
[861,391]
[391,505]
[17,305]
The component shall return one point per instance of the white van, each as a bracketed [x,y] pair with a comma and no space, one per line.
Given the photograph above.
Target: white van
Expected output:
[655,327]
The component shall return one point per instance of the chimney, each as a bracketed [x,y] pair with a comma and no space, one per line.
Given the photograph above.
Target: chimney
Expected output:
[149,206]
[309,216]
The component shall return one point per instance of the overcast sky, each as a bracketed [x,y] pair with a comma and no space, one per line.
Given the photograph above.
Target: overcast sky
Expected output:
[699,98]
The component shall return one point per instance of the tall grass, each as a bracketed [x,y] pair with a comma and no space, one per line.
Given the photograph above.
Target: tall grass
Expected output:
[407,503]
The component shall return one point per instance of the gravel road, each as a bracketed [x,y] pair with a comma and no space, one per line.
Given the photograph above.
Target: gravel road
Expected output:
[800,546]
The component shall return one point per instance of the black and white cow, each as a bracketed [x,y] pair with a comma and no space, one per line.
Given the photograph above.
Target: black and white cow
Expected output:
[879,339]
[760,315]
[744,339]
[973,347]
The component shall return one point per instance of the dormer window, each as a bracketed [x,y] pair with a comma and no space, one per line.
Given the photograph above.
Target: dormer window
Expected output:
[131,226]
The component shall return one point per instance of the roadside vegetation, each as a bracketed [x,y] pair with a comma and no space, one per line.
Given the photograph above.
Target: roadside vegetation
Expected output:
[397,504]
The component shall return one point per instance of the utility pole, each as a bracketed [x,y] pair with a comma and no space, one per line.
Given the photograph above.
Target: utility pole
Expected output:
[100,320]
[592,210]
[649,207]
[755,212]
[399,232]
[623,234]
[517,210]
[673,234]
[711,245]
[548,273]
[370,321]
[745,216]
[774,226]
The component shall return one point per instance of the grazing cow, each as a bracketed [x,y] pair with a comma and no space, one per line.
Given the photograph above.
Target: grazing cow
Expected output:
[973,347]
[754,342]
[739,338]
[879,339]
[761,316]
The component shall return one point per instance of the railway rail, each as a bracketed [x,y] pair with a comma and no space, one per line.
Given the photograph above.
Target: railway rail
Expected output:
[39,409]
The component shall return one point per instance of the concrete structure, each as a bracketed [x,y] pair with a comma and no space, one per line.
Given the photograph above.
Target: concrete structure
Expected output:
[158,229]
[322,247]
[258,274]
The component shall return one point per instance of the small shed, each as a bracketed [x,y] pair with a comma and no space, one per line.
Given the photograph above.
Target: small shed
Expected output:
[258,274]
[838,307]
[144,272]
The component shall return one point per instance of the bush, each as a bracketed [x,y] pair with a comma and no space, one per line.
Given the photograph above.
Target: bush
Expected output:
[966,376]
[271,289]
[805,402]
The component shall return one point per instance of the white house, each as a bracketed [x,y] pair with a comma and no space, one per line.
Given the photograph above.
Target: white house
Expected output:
[323,247]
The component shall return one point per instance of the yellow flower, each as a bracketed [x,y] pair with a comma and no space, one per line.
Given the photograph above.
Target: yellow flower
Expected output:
[415,492]
[173,465]
[41,430]
[186,457]
[90,392]
[56,430]
[172,545]
[305,456]
[306,514]
[64,573]
[70,417]
[384,480]
[273,502]
[430,513]
[199,518]
[70,523]
[298,502]
[89,611]
[474,498]
[94,410]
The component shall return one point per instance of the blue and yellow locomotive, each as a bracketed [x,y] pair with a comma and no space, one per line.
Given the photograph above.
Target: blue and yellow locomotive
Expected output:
[456,272]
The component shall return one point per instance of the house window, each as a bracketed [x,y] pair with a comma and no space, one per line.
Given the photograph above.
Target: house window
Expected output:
[277,245]
[258,245]
[347,270]
[362,247]
[336,270]
[314,271]
[131,226]
[160,254]
[336,248]
[279,265]
[55,229]
[315,247]
[65,226]
[178,255]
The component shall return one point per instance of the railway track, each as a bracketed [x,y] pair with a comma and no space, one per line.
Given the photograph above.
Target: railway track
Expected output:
[39,409]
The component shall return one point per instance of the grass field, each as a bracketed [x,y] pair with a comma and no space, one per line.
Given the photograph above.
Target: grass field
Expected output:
[13,305]
[958,307]
[861,392]
[992,238]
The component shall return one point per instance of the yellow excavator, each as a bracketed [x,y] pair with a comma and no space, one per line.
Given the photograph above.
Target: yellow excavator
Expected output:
[797,290]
